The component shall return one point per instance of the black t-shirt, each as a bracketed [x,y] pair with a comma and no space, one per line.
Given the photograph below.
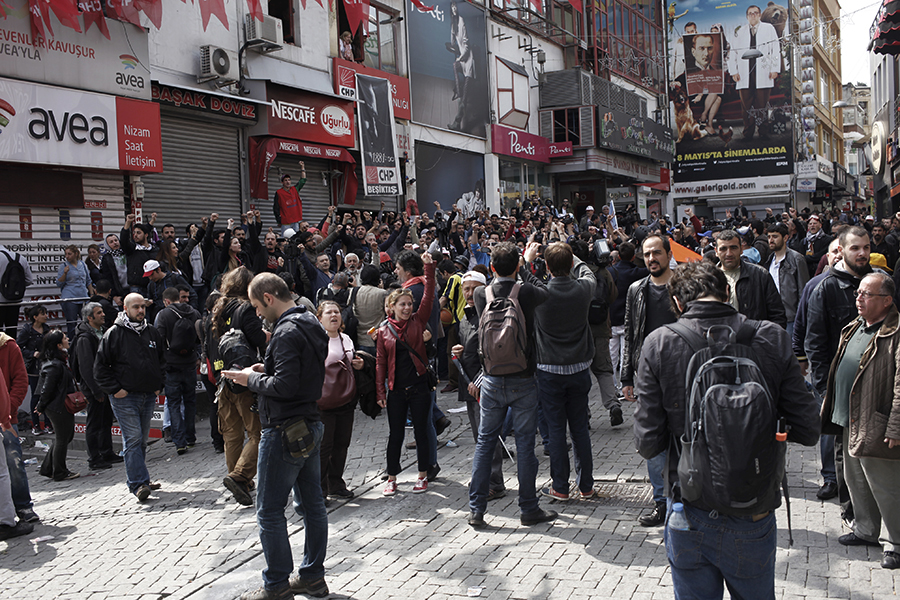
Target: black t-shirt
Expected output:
[659,309]
[405,371]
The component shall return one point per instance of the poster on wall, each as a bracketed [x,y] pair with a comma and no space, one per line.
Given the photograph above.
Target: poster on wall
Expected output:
[448,70]
[381,174]
[449,176]
[742,128]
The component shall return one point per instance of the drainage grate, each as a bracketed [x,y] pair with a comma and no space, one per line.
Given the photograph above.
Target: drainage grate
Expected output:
[629,495]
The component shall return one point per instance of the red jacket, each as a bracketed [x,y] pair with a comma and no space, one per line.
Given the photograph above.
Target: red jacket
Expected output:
[12,365]
[413,335]
[290,208]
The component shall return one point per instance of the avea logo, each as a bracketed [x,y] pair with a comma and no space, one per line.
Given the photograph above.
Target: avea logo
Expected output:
[129,61]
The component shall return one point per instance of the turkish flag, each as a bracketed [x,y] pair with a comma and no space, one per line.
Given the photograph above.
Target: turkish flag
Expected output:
[213,7]
[93,14]
[577,5]
[36,10]
[67,13]
[124,10]
[357,12]
[255,9]
[151,8]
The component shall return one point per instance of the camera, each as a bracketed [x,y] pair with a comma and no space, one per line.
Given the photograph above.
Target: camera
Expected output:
[601,252]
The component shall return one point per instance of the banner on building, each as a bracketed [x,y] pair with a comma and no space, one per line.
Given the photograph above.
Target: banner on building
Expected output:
[743,128]
[449,176]
[448,69]
[381,173]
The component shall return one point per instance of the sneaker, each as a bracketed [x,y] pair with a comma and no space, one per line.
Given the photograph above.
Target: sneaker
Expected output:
[593,494]
[433,472]
[99,465]
[391,488]
[48,429]
[28,515]
[441,425]
[476,520]
[551,493]
[37,431]
[241,494]
[155,485]
[421,486]
[615,416]
[180,451]
[495,495]
[449,388]
[219,449]
[411,445]
[11,531]
[262,593]
[538,516]
[113,459]
[344,494]
[655,517]
[143,493]
[316,588]
[69,475]
[851,539]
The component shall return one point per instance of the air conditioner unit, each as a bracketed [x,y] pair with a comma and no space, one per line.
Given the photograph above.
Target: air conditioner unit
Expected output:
[219,65]
[264,36]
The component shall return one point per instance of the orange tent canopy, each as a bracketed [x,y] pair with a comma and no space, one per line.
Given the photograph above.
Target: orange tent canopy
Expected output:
[682,254]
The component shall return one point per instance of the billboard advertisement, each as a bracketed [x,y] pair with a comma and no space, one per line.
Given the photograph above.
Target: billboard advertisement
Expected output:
[381,174]
[448,69]
[730,95]
[449,176]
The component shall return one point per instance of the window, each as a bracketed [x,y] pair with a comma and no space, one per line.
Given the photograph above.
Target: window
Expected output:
[284,10]
[826,147]
[512,94]
[632,43]
[567,126]
[825,92]
[380,49]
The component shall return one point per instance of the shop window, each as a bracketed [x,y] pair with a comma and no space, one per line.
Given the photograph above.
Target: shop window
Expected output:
[512,94]
[284,10]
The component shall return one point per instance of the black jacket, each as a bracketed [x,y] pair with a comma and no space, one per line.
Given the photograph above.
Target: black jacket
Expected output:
[129,361]
[237,314]
[758,297]
[29,342]
[109,272]
[294,370]
[84,347]
[624,273]
[55,382]
[635,322]
[165,323]
[660,416]
[136,259]
[261,262]
[814,254]
[155,291]
[831,306]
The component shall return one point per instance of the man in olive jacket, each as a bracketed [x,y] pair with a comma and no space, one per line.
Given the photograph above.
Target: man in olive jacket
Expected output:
[862,403]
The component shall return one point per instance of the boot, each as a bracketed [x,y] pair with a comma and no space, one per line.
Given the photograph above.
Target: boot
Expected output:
[655,517]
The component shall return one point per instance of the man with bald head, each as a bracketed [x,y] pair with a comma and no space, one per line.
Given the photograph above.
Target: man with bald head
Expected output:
[129,368]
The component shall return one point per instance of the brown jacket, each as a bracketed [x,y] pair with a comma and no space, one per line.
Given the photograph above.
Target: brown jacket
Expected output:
[875,394]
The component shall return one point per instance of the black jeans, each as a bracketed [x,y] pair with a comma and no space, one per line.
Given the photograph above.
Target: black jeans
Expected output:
[54,464]
[335,442]
[35,398]
[417,400]
[98,430]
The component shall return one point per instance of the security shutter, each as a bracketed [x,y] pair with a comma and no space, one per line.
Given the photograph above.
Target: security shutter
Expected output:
[201,173]
[586,119]
[314,195]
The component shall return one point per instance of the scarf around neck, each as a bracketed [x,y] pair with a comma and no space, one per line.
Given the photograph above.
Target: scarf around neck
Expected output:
[123,321]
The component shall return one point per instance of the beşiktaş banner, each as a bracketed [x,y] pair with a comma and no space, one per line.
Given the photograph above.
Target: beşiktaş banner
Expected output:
[40,124]
[119,65]
[744,130]
[746,188]
[381,174]
[448,66]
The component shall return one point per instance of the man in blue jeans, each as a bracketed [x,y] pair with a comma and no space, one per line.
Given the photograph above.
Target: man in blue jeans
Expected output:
[565,351]
[288,384]
[129,367]
[515,391]
[717,548]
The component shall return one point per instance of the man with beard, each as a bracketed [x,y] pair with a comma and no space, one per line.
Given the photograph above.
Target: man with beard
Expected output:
[753,293]
[647,308]
[880,245]
[270,259]
[816,243]
[788,271]
[832,305]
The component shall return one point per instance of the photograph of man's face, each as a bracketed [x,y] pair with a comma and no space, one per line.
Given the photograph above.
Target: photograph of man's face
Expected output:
[703,50]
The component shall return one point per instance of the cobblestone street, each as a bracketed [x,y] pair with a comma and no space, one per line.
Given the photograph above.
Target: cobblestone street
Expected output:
[192,540]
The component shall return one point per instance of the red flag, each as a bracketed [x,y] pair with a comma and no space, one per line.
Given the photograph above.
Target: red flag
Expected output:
[36,10]
[124,10]
[67,13]
[3,12]
[93,14]
[357,12]
[424,8]
[151,8]
[213,7]
[255,9]
[577,5]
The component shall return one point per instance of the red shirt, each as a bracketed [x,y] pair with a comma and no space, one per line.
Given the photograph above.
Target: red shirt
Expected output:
[289,205]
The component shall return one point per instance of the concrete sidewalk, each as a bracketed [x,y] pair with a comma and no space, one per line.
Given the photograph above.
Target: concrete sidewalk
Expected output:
[193,541]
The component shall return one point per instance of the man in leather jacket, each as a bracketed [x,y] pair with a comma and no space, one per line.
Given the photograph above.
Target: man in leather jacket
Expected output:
[753,293]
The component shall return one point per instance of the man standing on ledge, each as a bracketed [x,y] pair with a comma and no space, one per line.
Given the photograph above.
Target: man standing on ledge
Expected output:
[287,206]
[288,384]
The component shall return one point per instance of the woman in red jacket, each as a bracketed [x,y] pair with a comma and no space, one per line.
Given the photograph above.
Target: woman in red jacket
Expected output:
[406,375]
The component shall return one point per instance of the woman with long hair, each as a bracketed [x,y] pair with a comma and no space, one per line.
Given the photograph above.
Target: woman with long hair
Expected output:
[338,401]
[74,281]
[31,340]
[402,362]
[55,384]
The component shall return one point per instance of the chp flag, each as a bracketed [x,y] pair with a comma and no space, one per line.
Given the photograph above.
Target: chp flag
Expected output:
[381,173]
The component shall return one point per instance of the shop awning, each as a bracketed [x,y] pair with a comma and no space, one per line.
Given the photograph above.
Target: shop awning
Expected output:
[263,151]
[885,32]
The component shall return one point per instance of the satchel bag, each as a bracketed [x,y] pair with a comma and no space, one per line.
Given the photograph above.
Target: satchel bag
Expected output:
[339,388]
[76,402]
[430,375]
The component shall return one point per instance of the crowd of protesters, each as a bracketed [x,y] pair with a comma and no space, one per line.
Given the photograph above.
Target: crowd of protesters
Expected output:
[376,307]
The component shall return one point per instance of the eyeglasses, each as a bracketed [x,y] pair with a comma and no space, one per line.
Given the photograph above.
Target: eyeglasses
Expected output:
[866,295]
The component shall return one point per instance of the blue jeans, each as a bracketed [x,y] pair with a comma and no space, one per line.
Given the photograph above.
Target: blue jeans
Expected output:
[826,447]
[18,479]
[279,473]
[134,412]
[735,551]
[656,469]
[72,313]
[498,394]
[181,400]
[564,401]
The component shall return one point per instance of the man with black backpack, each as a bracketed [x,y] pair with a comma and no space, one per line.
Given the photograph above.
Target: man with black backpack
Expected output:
[722,495]
[177,323]
[15,276]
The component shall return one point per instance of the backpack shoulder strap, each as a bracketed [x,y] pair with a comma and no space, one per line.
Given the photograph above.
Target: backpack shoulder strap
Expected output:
[696,341]
[514,293]
[489,293]
[747,332]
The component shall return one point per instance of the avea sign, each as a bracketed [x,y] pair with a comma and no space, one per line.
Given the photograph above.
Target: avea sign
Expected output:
[76,126]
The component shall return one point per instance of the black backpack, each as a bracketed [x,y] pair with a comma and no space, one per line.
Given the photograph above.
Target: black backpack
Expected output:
[13,281]
[598,312]
[183,336]
[234,354]
[731,460]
